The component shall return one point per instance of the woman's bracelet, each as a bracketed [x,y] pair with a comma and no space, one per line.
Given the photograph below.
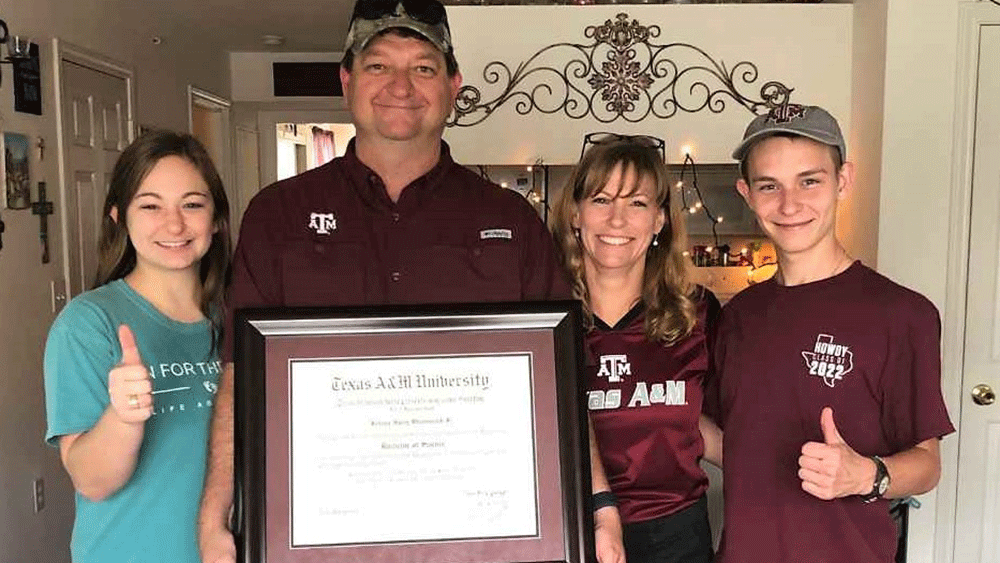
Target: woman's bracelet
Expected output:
[603,499]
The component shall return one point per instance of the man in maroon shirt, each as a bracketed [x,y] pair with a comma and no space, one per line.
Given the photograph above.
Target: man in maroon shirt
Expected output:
[395,220]
[827,376]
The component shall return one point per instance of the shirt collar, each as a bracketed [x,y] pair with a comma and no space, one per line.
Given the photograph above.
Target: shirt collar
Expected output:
[372,188]
[633,314]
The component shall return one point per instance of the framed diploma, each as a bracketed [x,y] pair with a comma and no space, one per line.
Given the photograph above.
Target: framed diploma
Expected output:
[412,434]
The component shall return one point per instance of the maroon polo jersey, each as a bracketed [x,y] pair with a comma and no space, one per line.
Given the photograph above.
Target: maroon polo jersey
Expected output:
[856,342]
[644,398]
[331,236]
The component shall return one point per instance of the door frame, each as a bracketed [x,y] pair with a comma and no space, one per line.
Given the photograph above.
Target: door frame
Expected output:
[268,119]
[64,50]
[213,102]
[972,18]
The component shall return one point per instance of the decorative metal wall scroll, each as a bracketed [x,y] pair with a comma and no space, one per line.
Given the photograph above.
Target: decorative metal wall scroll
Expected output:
[620,74]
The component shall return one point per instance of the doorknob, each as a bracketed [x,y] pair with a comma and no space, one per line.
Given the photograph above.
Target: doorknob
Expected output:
[982,394]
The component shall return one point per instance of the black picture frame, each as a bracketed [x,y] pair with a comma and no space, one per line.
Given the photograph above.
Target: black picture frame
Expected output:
[271,341]
[28,83]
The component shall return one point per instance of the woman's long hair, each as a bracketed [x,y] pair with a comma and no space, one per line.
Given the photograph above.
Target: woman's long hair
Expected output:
[666,289]
[117,255]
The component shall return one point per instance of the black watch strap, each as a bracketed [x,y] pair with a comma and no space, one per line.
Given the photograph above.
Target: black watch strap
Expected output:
[881,483]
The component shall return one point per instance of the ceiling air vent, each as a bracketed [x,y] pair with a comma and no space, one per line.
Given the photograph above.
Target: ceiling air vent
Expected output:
[307,79]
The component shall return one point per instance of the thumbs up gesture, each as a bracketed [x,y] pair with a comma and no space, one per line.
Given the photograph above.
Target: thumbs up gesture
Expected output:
[129,384]
[832,469]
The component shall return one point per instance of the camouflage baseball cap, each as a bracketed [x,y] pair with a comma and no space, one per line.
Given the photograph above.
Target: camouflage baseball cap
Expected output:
[371,17]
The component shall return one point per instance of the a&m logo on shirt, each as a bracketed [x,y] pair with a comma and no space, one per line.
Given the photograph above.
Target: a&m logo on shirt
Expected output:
[829,360]
[322,223]
[614,367]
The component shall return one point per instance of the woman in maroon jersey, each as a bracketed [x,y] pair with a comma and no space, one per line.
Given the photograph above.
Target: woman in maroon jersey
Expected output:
[646,353]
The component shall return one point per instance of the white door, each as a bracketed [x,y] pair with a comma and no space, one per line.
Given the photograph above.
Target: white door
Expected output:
[247,176]
[96,128]
[977,529]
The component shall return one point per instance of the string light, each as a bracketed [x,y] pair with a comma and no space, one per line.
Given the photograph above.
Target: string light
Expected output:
[537,192]
[693,208]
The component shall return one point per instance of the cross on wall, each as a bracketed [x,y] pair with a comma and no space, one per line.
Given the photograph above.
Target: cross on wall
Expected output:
[43,209]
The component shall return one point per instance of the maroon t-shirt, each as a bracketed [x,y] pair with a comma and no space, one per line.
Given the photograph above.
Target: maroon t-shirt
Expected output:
[331,236]
[856,342]
[645,398]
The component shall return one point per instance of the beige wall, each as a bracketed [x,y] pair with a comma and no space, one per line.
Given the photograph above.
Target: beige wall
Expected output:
[162,74]
[857,221]
[921,57]
[805,46]
[250,74]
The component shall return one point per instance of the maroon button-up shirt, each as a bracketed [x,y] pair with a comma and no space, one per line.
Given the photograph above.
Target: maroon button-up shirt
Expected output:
[331,236]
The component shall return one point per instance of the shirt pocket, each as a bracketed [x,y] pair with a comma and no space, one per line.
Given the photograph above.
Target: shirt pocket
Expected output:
[471,271]
[323,273]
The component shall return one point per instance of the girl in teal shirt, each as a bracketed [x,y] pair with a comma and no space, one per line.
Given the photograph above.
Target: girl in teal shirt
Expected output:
[131,366]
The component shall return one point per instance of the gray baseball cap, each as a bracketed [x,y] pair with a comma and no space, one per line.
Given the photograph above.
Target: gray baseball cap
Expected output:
[371,17]
[813,122]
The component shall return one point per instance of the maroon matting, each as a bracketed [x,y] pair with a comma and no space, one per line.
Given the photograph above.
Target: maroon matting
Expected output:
[561,471]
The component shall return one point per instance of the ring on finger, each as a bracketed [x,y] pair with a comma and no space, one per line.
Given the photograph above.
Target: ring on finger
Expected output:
[133,401]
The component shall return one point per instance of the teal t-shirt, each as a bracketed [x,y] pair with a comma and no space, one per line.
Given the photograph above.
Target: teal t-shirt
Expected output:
[154,516]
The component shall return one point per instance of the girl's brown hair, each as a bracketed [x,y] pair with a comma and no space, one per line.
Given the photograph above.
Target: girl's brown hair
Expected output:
[117,255]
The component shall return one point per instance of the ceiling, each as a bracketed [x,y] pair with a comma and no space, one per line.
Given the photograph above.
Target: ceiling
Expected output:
[306,25]
[238,25]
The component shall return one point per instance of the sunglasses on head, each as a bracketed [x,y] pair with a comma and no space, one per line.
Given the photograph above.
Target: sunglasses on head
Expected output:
[601,138]
[645,141]
[427,11]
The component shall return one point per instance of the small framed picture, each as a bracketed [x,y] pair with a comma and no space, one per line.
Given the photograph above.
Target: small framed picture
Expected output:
[16,173]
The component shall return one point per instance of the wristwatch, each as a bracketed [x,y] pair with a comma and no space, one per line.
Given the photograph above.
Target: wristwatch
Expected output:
[881,484]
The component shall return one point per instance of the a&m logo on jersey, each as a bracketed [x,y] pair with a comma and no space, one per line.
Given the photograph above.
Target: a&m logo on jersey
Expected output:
[322,223]
[829,360]
[614,367]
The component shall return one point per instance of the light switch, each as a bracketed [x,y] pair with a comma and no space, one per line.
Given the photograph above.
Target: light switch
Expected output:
[58,293]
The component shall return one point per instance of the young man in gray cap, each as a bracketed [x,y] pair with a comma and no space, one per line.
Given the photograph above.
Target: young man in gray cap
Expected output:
[395,220]
[826,377]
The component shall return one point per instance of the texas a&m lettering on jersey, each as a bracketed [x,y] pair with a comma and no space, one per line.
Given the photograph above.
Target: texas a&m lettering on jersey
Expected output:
[615,367]
[828,360]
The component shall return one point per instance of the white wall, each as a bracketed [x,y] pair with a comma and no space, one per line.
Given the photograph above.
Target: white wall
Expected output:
[162,74]
[785,42]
